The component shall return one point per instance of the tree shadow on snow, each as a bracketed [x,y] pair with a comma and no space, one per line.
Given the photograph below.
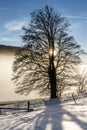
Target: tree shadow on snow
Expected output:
[50,118]
[53,119]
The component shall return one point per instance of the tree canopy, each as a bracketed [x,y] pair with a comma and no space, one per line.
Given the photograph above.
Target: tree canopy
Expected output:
[47,60]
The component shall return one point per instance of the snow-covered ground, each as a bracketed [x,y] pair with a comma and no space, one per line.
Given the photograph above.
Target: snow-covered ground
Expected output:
[50,115]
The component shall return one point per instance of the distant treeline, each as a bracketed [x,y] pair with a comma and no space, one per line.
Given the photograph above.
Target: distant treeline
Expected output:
[8,49]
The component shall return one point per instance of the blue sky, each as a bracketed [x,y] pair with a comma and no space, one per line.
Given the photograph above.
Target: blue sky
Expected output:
[16,13]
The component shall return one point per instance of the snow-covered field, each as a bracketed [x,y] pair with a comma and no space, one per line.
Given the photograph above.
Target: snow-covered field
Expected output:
[50,115]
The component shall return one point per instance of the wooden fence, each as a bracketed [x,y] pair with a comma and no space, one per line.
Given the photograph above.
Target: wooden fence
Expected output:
[15,108]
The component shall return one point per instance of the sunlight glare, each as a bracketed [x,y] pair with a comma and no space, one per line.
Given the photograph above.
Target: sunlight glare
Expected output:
[82,67]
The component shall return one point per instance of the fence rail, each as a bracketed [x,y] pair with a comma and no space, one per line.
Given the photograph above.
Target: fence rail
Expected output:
[15,108]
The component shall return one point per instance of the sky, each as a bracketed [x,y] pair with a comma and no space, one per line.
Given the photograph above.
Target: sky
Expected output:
[14,14]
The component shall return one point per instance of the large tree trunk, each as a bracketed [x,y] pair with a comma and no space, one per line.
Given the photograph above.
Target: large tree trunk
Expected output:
[52,77]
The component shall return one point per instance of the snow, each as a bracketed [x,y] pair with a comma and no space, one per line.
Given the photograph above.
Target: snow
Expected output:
[50,115]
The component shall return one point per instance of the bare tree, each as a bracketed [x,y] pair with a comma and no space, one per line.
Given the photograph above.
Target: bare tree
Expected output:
[81,80]
[47,60]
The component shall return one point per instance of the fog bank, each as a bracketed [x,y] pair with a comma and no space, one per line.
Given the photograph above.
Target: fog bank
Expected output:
[7,86]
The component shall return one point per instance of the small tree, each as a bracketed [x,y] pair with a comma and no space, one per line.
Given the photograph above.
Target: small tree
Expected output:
[81,79]
[49,56]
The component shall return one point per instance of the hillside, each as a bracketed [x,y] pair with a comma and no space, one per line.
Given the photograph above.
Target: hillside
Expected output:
[50,115]
[7,49]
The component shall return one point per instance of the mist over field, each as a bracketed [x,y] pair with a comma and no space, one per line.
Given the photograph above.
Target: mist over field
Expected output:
[7,86]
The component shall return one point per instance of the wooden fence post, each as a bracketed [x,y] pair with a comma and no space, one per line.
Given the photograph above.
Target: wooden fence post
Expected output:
[74,99]
[28,106]
[0,111]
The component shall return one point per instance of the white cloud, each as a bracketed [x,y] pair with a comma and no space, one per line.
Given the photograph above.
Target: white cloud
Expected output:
[15,25]
[77,17]
[6,39]
[11,40]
